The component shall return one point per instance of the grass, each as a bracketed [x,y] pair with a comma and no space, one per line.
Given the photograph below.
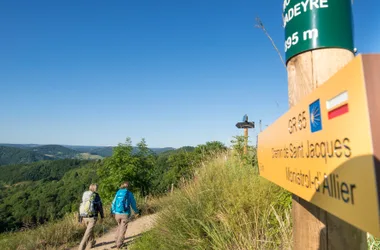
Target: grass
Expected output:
[55,235]
[61,234]
[88,156]
[228,206]
[373,243]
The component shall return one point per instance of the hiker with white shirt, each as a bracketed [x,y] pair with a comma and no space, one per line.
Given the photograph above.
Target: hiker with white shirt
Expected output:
[89,210]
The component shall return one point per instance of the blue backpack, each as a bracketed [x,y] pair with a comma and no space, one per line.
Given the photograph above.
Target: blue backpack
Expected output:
[120,201]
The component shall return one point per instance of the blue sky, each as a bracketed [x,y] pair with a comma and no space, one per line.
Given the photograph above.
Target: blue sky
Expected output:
[173,72]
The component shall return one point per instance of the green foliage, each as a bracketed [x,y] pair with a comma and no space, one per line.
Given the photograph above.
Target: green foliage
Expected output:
[105,151]
[128,164]
[108,151]
[166,154]
[56,189]
[88,156]
[145,164]
[121,166]
[170,169]
[228,207]
[60,234]
[174,167]
[373,242]
[210,149]
[23,146]
[32,194]
[49,170]
[149,173]
[56,151]
[12,155]
[238,150]
[24,155]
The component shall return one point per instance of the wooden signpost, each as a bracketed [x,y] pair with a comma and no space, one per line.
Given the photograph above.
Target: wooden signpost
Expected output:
[325,149]
[245,124]
[322,149]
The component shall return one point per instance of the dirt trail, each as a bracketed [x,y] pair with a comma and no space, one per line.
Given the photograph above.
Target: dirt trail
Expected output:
[134,230]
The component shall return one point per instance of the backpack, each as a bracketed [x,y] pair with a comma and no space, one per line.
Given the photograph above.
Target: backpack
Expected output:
[87,208]
[120,205]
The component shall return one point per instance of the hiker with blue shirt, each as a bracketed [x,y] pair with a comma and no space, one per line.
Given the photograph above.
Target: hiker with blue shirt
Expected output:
[121,209]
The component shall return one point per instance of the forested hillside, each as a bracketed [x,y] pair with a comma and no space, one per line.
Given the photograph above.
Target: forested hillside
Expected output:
[24,146]
[161,150]
[42,170]
[13,155]
[31,194]
[104,151]
[56,151]
[82,149]
[108,151]
[53,194]
[28,153]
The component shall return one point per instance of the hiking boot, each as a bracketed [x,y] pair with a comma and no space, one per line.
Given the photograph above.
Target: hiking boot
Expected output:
[93,243]
[122,246]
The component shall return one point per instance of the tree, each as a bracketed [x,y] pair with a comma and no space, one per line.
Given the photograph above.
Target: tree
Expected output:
[238,150]
[238,145]
[117,168]
[144,169]
[210,148]
[123,165]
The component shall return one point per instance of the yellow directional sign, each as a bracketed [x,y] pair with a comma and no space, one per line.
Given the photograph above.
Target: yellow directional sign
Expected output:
[326,149]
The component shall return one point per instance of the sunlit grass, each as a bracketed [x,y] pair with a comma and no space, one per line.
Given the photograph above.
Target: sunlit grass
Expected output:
[228,207]
[373,243]
[63,233]
[54,235]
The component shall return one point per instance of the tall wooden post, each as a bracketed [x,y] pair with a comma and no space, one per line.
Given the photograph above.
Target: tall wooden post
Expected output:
[245,140]
[245,124]
[318,43]
[314,228]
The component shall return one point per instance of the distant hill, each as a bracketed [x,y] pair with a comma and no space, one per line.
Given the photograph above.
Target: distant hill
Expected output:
[23,146]
[174,151]
[161,150]
[105,151]
[186,148]
[28,153]
[53,170]
[20,155]
[83,149]
[56,151]
[88,156]
[42,191]
[13,155]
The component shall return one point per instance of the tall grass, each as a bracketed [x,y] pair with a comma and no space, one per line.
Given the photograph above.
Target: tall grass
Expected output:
[228,206]
[373,242]
[61,234]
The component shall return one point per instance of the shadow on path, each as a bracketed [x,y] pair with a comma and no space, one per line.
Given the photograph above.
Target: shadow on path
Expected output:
[127,241]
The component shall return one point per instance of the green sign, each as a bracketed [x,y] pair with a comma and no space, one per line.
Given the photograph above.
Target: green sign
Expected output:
[313,24]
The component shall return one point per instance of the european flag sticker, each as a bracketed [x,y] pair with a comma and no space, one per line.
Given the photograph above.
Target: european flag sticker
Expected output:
[315,116]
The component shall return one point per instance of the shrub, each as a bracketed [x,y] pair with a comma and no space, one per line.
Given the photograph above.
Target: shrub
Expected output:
[228,206]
